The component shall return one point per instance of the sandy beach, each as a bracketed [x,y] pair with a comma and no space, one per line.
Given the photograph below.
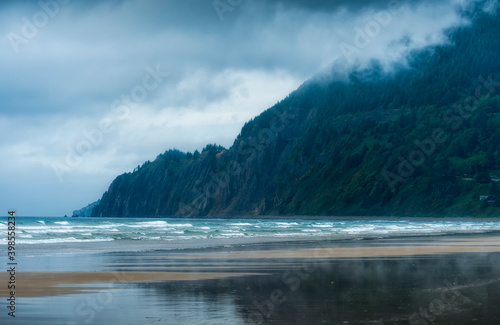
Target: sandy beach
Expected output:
[402,248]
[416,280]
[39,284]
[36,284]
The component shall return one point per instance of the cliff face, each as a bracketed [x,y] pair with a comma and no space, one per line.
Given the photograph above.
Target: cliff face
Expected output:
[216,182]
[368,144]
[86,211]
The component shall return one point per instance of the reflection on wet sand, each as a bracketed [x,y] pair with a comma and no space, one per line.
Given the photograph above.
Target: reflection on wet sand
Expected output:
[441,280]
[38,284]
[445,289]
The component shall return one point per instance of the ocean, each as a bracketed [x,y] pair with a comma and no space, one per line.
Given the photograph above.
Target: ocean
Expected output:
[38,234]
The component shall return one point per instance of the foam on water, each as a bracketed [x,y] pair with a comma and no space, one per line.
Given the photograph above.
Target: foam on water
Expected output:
[147,224]
[64,240]
[323,226]
[33,231]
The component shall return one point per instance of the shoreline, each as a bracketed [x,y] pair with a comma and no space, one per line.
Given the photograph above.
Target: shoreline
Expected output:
[377,281]
[221,262]
[138,246]
[281,217]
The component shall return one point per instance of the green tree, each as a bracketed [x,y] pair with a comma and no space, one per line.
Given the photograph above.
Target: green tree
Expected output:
[483,178]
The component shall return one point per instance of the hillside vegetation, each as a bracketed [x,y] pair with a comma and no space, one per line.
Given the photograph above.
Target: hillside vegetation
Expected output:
[421,141]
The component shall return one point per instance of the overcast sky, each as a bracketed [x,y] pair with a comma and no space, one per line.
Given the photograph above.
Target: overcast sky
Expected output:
[91,89]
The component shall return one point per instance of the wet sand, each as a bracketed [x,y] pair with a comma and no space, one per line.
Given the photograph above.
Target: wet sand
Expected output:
[39,284]
[36,284]
[439,279]
[433,246]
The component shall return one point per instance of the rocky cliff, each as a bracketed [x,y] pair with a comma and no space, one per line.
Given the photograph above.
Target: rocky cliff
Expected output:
[86,211]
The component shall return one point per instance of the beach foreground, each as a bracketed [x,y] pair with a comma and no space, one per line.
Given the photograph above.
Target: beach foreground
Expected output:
[416,280]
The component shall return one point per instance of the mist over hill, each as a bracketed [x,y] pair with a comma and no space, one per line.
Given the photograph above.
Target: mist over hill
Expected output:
[419,139]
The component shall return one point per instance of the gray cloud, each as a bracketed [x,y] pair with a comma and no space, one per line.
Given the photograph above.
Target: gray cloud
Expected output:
[67,74]
[88,54]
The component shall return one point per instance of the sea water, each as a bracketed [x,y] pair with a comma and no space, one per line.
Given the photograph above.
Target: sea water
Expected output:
[101,233]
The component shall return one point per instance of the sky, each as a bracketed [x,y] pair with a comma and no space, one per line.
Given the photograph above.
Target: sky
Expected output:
[91,89]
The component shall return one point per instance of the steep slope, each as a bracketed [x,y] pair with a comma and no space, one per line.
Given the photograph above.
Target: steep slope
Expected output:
[421,141]
[85,211]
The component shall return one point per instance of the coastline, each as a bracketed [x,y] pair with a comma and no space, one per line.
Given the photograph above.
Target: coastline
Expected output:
[377,281]
[36,282]
[306,217]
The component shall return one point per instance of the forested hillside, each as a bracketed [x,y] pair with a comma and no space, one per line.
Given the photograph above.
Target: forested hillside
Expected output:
[420,140]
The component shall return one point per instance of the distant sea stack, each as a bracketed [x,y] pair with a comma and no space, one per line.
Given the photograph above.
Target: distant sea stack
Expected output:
[86,211]
[421,140]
